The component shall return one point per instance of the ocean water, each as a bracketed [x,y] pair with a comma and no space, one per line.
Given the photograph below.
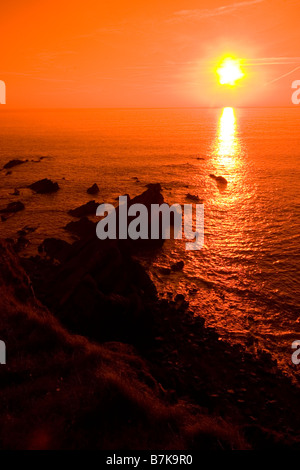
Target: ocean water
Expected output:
[245,280]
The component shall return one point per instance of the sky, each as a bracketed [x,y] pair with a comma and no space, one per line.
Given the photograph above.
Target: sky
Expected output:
[162,53]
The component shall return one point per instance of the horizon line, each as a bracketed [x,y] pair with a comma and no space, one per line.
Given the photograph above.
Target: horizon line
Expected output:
[8,108]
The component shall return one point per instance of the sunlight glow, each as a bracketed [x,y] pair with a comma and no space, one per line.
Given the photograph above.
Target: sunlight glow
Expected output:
[227,145]
[229,71]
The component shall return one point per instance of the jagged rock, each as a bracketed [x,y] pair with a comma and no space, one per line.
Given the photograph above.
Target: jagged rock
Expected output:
[86,209]
[44,186]
[13,207]
[94,189]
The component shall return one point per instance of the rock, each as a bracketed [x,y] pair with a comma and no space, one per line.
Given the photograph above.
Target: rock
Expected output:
[86,209]
[193,197]
[13,207]
[13,163]
[219,179]
[44,186]
[177,266]
[8,173]
[93,189]
[83,228]
[154,186]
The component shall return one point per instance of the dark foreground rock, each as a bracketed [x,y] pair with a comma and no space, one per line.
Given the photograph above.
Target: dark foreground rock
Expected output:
[44,186]
[60,391]
[100,292]
[94,189]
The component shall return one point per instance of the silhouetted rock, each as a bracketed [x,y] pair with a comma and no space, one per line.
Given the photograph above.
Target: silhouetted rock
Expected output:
[13,207]
[86,209]
[177,266]
[13,163]
[93,189]
[193,197]
[83,228]
[219,179]
[44,186]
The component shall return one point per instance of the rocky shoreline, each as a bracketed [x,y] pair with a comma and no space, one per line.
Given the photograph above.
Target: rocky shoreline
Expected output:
[97,360]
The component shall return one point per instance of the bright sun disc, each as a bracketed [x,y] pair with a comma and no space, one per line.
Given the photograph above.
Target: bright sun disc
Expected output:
[229,72]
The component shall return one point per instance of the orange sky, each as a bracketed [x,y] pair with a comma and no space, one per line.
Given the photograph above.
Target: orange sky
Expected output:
[92,53]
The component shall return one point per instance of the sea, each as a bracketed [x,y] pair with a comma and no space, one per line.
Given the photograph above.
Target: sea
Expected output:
[245,279]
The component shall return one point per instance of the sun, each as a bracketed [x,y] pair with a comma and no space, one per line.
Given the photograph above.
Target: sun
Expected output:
[229,71]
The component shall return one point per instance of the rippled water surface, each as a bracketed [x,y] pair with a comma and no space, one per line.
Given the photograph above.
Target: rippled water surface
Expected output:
[245,280]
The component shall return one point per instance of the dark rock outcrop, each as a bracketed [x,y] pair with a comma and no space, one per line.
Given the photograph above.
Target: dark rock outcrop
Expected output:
[44,186]
[94,189]
[86,209]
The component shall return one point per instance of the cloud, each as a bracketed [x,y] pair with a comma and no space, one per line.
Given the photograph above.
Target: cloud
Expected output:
[199,14]
[272,61]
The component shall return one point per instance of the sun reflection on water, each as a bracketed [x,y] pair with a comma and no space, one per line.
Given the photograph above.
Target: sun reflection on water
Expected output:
[227,144]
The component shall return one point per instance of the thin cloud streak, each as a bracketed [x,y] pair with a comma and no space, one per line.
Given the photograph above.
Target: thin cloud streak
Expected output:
[283,76]
[199,14]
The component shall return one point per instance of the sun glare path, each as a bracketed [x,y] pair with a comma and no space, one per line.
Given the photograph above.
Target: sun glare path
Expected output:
[229,71]
[227,140]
